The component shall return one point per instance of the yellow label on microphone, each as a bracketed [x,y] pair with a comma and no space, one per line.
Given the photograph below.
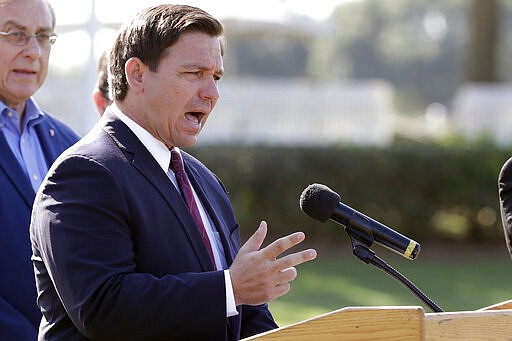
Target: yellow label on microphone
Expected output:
[410,249]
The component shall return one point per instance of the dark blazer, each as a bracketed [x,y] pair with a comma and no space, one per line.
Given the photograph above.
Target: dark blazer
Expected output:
[19,314]
[505,197]
[117,254]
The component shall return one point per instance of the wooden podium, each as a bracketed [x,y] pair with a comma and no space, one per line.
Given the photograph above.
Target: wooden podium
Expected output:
[399,323]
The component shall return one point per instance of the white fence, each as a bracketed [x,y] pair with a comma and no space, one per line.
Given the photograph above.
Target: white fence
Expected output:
[484,109]
[269,111]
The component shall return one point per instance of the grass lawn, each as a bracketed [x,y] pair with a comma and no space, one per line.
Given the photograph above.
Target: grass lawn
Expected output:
[456,279]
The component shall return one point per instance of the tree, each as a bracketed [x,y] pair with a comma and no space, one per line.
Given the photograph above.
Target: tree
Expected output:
[484,24]
[417,46]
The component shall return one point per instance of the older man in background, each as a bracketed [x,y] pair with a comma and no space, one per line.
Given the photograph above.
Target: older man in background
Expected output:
[30,140]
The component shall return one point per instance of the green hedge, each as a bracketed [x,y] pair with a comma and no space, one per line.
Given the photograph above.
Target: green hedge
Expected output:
[425,191]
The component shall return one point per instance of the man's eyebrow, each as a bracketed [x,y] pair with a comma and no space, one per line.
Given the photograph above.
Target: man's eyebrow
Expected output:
[202,67]
[194,66]
[15,24]
[23,27]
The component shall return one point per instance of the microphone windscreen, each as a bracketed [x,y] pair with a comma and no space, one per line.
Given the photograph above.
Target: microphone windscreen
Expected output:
[319,202]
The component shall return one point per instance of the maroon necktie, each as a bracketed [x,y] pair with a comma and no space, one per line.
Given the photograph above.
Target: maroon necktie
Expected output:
[186,191]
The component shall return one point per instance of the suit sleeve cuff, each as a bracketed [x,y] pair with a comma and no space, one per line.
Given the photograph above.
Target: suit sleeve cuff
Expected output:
[230,296]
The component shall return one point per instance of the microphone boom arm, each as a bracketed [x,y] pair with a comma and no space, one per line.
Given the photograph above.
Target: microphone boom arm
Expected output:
[360,248]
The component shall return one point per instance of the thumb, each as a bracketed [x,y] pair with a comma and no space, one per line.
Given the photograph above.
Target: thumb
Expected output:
[256,240]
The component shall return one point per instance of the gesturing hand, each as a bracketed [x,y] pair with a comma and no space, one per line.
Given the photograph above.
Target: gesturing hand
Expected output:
[258,276]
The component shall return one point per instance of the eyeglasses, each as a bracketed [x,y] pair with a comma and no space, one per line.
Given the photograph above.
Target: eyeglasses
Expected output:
[20,38]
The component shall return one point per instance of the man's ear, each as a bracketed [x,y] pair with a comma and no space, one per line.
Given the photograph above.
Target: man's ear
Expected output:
[134,70]
[99,101]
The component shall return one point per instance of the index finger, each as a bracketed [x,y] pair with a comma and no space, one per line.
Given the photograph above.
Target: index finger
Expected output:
[297,258]
[255,241]
[277,247]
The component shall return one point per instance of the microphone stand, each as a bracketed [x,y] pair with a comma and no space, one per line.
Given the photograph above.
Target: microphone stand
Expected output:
[364,253]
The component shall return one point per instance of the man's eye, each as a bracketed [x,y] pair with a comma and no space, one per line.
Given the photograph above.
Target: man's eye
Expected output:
[43,36]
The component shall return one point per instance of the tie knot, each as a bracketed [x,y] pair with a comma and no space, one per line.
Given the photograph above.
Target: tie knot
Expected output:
[176,162]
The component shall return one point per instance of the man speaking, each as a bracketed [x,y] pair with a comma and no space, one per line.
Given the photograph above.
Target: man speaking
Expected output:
[134,239]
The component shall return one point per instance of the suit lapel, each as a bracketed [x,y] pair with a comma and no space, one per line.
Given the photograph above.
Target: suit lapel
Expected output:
[12,169]
[50,142]
[148,167]
[214,212]
[51,145]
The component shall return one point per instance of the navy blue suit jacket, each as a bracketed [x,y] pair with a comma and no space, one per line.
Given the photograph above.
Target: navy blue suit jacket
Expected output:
[19,314]
[117,254]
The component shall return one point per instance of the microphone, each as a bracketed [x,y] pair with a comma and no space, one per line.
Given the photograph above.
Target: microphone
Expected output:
[321,203]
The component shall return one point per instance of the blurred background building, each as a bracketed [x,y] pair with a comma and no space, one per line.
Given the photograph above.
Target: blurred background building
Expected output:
[327,72]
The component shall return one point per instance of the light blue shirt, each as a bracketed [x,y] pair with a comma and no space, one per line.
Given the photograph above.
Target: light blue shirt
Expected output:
[23,141]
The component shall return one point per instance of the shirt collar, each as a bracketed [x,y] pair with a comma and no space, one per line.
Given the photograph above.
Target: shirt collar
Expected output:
[155,147]
[33,114]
